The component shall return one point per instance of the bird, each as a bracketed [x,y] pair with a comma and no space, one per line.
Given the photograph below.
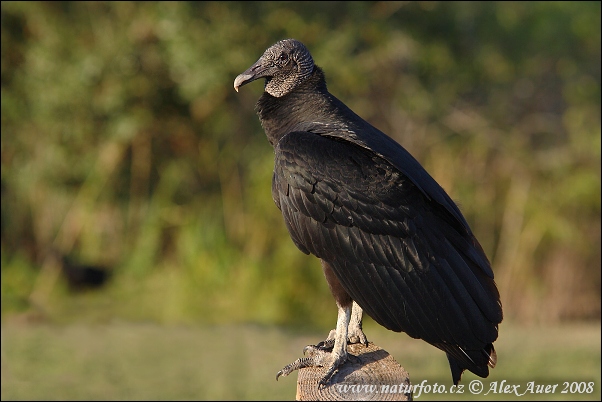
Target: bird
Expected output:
[391,241]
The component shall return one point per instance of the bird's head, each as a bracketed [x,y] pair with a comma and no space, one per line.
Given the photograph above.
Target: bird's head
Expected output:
[284,66]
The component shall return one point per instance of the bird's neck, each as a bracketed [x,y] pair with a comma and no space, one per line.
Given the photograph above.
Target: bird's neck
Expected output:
[308,103]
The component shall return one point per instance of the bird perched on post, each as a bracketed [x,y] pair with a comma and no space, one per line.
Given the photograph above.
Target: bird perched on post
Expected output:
[392,243]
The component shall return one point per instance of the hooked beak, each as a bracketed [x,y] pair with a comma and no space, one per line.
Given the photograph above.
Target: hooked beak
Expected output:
[253,73]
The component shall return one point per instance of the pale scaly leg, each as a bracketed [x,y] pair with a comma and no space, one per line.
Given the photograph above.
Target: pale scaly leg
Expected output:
[355,334]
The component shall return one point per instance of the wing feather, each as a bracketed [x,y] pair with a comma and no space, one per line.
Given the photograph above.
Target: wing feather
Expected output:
[395,251]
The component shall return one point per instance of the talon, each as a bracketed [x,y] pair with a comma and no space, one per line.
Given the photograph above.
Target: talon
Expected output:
[318,358]
[332,352]
[326,378]
[281,373]
[296,365]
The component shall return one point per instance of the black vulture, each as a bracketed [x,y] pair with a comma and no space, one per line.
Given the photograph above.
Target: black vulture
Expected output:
[391,241]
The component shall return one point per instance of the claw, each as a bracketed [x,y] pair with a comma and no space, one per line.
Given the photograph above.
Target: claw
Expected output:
[331,353]
[326,378]
[318,358]
[296,365]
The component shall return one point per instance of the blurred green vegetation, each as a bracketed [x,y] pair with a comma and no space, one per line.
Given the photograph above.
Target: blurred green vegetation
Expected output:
[125,146]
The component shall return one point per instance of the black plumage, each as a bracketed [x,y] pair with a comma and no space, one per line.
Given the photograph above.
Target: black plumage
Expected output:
[389,237]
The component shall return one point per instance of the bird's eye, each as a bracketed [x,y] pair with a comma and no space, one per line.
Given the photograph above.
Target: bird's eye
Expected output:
[283,57]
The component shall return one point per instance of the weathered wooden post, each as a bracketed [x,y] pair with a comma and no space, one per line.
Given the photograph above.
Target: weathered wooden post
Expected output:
[370,374]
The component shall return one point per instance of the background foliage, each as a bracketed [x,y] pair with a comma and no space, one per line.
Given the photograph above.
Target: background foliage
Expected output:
[124,146]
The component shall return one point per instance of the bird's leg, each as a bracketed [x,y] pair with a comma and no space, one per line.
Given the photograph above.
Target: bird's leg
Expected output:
[319,357]
[355,334]
[321,354]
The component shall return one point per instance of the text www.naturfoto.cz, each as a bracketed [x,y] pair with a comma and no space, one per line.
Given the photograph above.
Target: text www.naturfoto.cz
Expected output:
[368,388]
[416,389]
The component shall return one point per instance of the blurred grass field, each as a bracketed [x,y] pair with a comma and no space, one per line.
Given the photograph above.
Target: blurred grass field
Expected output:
[239,362]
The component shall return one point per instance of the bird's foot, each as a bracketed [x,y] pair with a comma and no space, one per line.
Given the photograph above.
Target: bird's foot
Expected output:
[318,356]
[354,335]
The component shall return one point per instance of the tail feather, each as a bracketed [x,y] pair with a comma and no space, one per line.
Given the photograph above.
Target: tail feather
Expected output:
[456,370]
[475,361]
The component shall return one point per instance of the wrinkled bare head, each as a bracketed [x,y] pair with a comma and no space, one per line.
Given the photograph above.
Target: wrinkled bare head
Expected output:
[284,66]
